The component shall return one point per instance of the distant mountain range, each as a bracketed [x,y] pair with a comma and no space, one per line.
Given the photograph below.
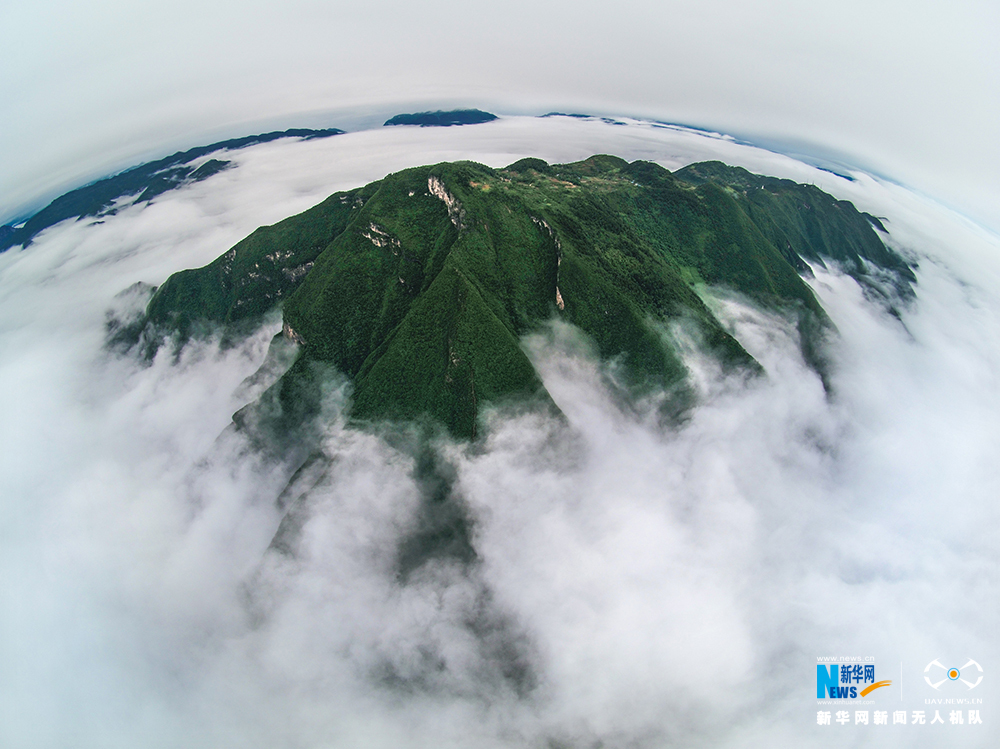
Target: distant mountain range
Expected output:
[145,181]
[442,119]
[419,287]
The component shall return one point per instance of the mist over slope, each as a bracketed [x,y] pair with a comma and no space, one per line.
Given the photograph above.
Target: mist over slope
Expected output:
[419,286]
[630,585]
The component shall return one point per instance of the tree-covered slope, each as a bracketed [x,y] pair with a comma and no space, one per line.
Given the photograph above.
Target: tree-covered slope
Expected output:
[251,278]
[804,223]
[419,287]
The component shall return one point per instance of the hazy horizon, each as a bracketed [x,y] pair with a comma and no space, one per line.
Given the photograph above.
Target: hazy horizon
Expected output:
[903,91]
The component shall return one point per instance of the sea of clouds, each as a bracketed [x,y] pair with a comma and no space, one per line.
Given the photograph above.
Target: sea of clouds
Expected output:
[634,585]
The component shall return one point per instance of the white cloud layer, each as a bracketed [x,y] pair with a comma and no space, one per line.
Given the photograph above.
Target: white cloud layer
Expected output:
[904,88]
[636,585]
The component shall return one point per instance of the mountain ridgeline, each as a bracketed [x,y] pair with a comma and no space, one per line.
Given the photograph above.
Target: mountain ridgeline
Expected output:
[419,287]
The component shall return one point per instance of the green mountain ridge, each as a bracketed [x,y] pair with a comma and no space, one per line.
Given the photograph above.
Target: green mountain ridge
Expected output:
[419,287]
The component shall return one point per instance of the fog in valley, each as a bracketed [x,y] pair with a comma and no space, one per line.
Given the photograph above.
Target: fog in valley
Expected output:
[630,583]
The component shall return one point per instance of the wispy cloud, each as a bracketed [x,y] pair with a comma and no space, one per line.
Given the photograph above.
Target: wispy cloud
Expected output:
[635,584]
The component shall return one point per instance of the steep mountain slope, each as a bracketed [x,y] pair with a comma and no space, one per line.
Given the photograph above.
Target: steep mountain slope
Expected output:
[804,223]
[418,287]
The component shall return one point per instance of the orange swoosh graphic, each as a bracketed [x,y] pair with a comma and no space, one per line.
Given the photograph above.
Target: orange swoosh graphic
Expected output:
[874,686]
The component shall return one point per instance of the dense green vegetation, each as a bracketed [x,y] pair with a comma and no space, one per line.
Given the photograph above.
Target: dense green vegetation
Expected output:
[146,180]
[254,276]
[418,287]
[442,119]
[804,223]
